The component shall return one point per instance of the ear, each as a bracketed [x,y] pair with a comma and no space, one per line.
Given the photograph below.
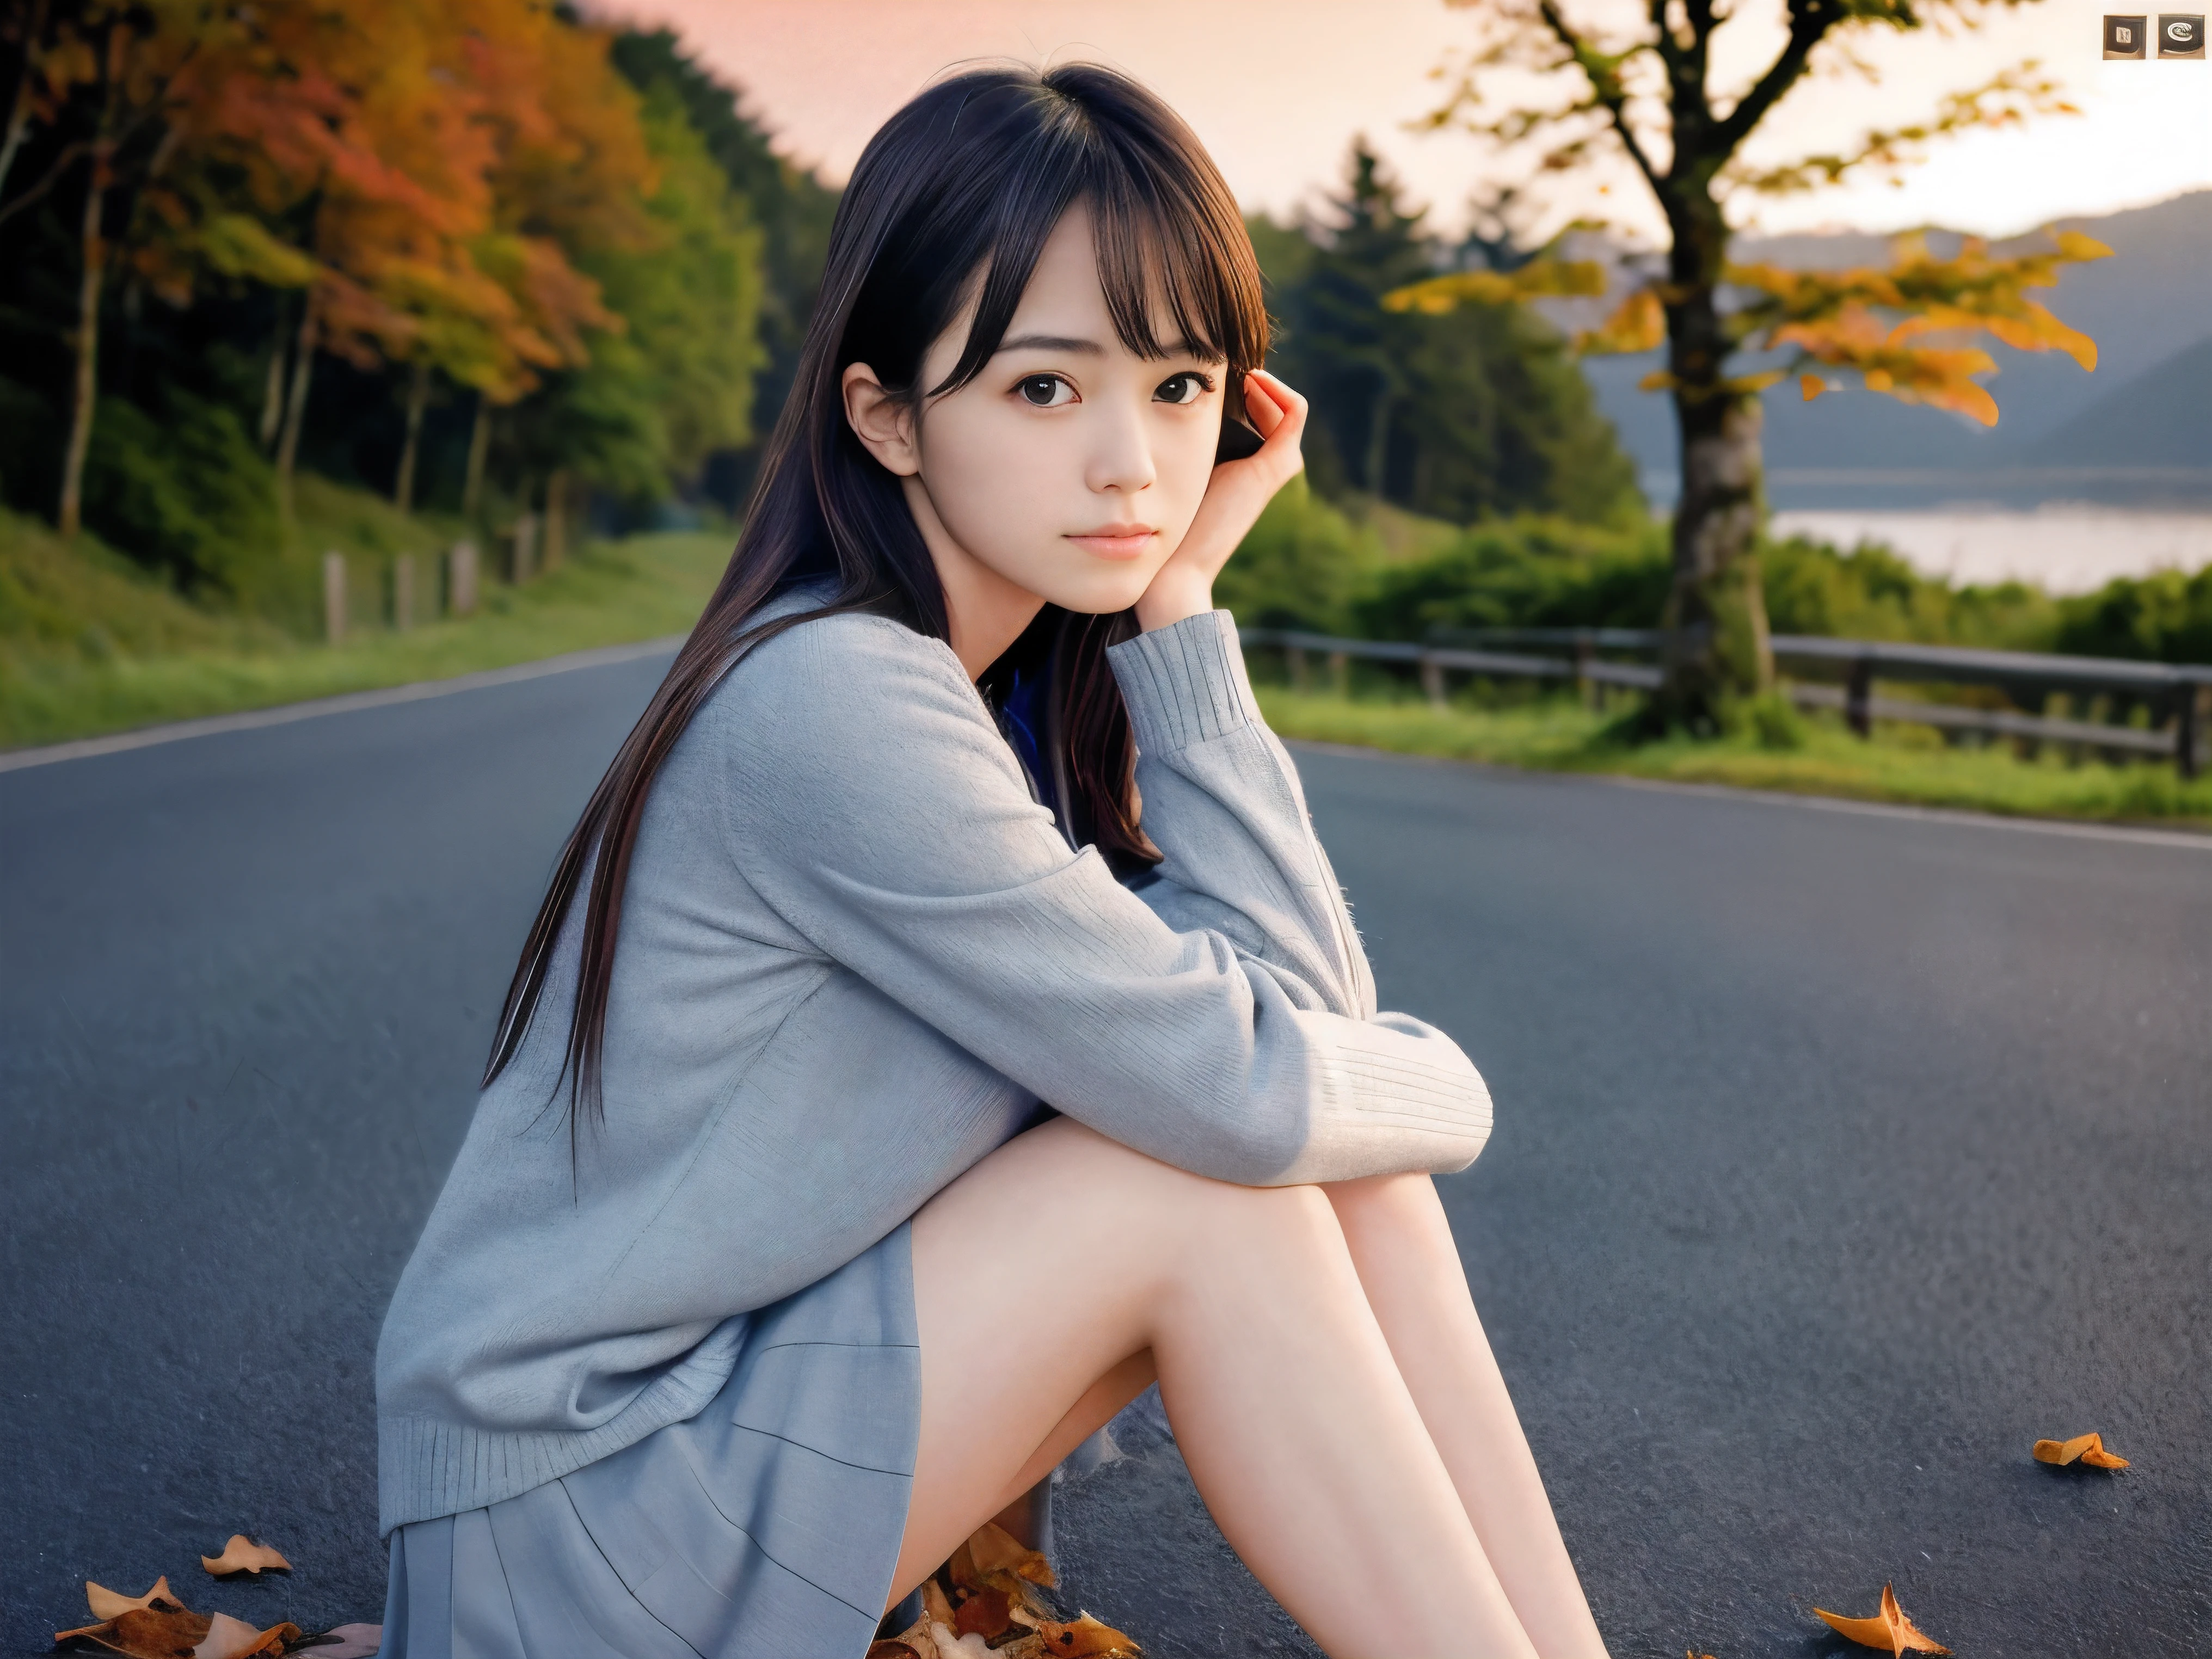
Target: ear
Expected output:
[883,423]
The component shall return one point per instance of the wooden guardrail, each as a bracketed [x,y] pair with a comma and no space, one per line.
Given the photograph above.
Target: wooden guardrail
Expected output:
[2174,695]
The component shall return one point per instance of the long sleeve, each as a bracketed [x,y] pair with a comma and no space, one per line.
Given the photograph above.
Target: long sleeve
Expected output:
[871,805]
[1223,801]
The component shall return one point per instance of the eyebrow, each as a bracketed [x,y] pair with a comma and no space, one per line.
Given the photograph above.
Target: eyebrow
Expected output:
[1089,347]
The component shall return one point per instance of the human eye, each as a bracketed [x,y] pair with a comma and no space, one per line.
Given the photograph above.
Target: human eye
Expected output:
[1186,387]
[1045,391]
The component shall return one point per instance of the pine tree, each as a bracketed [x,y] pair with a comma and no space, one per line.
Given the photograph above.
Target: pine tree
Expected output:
[1472,414]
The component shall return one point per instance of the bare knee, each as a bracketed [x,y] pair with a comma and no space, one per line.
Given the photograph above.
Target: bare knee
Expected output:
[1386,1200]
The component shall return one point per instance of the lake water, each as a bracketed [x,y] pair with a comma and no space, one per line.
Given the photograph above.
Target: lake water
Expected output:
[2068,548]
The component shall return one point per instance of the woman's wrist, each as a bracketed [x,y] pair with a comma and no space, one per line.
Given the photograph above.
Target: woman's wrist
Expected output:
[1173,596]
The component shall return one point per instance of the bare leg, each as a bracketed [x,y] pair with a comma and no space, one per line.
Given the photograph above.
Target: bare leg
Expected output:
[1044,1274]
[1402,1246]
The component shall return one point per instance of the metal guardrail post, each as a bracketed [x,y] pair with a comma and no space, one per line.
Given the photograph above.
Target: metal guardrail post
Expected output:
[402,592]
[334,597]
[1858,696]
[1295,657]
[1340,673]
[2188,723]
[1584,686]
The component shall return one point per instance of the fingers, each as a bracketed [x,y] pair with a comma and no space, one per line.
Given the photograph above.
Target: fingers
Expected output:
[1270,403]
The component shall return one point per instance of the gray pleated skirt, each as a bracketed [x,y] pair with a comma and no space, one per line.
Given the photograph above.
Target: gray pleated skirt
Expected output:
[768,1524]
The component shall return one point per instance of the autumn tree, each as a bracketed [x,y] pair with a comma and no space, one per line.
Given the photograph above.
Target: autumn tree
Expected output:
[1649,91]
[677,383]
[104,68]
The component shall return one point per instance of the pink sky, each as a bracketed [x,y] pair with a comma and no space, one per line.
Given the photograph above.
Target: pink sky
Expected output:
[1278,88]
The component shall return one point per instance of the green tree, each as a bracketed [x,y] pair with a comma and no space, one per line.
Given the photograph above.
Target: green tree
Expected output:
[676,381]
[1469,413]
[792,208]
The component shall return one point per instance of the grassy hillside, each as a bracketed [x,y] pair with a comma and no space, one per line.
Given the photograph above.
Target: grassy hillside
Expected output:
[90,643]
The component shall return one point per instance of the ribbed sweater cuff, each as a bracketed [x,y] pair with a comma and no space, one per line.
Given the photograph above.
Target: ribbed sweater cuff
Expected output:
[1184,684]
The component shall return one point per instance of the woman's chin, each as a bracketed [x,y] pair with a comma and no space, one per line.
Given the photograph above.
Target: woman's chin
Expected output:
[1102,592]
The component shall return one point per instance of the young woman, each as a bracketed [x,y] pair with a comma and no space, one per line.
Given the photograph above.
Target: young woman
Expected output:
[943,1022]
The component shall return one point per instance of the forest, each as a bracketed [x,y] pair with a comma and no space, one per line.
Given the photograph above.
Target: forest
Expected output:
[291,277]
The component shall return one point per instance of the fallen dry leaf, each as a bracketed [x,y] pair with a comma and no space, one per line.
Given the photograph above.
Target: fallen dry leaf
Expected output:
[234,1638]
[987,1613]
[147,1632]
[2089,1449]
[1888,1629]
[1086,1639]
[994,1549]
[936,1606]
[346,1642]
[242,1554]
[105,1603]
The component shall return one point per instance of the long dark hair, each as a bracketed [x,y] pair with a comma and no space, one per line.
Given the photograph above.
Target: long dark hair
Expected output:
[970,177]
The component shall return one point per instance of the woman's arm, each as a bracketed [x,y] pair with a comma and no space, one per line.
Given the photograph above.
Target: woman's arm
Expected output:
[872,804]
[1223,801]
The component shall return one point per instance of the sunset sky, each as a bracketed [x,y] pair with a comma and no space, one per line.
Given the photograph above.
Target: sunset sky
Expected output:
[1278,88]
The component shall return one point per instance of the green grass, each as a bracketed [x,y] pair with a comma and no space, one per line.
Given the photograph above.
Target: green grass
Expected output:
[150,656]
[1902,764]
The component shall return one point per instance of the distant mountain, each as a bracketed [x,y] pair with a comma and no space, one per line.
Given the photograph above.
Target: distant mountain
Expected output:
[2134,432]
[2161,418]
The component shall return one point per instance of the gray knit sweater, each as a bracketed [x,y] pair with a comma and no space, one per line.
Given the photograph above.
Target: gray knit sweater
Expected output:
[854,954]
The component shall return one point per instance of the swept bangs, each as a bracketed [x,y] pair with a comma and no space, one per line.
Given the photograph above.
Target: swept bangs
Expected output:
[1174,258]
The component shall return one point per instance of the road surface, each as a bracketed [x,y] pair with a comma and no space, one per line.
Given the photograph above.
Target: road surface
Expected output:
[1840,1155]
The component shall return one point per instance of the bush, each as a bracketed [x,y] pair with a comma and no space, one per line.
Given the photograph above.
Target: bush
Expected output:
[1871,593]
[1769,720]
[1523,573]
[2166,617]
[1303,565]
[186,493]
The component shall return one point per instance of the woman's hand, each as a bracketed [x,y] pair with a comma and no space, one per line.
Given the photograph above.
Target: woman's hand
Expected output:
[1183,587]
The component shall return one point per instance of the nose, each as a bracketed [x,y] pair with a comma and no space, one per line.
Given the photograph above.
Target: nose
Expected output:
[1121,457]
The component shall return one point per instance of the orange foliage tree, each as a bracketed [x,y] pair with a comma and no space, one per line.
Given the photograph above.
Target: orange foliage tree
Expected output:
[422,173]
[1649,93]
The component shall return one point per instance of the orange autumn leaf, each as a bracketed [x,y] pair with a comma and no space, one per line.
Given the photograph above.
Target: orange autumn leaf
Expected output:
[147,1632]
[986,1612]
[106,1604]
[234,1638]
[1086,1639]
[994,1549]
[2088,1448]
[1888,1629]
[242,1554]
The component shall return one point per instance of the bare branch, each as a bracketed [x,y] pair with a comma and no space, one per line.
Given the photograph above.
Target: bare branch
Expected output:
[1602,70]
[61,165]
[1809,20]
[2008,99]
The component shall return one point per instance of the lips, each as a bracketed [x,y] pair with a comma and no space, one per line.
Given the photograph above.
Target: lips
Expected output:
[1116,541]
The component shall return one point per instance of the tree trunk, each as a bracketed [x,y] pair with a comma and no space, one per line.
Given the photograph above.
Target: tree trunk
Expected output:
[1714,637]
[480,448]
[295,406]
[19,112]
[272,386]
[556,518]
[86,344]
[418,394]
[1378,441]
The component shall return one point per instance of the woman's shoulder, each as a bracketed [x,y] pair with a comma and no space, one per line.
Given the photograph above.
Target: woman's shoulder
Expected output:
[848,683]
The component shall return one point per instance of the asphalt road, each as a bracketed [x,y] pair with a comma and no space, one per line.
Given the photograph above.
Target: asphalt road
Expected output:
[1839,1156]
